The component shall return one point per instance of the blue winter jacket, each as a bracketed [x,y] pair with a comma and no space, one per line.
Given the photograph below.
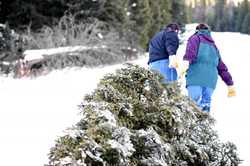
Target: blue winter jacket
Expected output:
[162,45]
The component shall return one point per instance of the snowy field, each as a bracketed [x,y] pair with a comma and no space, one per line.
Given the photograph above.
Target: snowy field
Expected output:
[34,112]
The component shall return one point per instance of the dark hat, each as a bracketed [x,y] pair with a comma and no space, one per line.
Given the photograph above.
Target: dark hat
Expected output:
[173,26]
[202,26]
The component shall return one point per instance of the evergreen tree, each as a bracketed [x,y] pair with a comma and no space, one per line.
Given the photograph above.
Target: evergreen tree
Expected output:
[246,24]
[200,11]
[229,17]
[165,8]
[114,12]
[133,119]
[242,12]
[234,18]
[84,9]
[141,15]
[189,13]
[178,11]
[219,22]
[161,15]
[27,12]
[137,19]
[3,11]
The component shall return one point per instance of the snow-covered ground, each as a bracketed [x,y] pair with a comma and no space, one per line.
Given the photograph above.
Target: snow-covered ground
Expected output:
[232,114]
[34,112]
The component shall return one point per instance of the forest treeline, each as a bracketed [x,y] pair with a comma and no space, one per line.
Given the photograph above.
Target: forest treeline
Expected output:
[134,19]
[222,15]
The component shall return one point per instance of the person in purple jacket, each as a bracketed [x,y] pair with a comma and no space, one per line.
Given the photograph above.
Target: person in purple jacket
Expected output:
[205,64]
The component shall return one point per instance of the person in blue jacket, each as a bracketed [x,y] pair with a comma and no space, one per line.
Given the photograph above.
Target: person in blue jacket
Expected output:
[162,52]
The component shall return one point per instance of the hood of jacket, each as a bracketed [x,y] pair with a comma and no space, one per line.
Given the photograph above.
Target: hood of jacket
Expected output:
[206,35]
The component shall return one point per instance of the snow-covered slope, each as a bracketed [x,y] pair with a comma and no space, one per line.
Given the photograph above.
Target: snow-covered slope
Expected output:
[34,112]
[232,114]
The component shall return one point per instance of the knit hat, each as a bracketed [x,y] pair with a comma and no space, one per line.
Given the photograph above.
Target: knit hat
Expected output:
[173,26]
[202,26]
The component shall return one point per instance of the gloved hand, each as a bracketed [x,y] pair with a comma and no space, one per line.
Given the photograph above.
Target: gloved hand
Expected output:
[183,68]
[173,62]
[231,91]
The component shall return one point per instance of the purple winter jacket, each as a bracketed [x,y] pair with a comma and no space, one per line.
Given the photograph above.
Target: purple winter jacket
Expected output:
[192,50]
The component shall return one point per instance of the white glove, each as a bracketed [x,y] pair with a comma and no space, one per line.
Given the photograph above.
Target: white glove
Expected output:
[173,62]
[183,67]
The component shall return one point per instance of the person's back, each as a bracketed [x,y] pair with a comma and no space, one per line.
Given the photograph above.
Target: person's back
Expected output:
[206,61]
[205,64]
[163,44]
[162,47]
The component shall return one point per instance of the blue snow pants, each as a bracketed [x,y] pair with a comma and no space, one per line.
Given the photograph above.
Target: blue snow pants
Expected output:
[169,74]
[202,96]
